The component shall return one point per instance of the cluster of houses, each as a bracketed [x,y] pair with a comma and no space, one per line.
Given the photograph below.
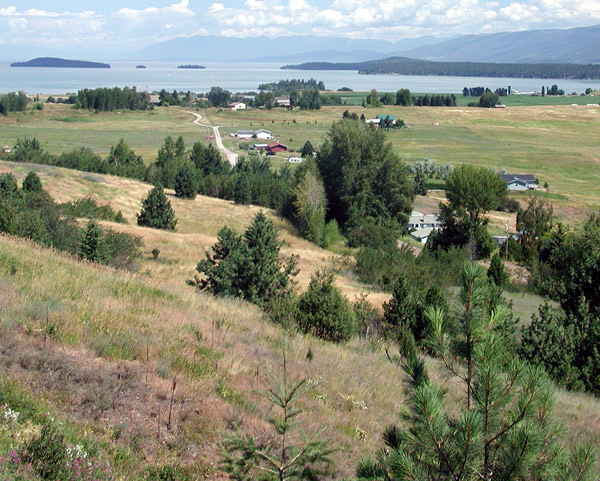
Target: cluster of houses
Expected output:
[279,102]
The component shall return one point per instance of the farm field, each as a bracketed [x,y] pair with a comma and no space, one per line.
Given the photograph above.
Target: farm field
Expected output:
[124,336]
[558,144]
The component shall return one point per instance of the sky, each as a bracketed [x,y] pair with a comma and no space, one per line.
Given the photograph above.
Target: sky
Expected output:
[131,24]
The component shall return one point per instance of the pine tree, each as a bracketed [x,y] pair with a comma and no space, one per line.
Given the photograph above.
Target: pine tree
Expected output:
[496,270]
[157,211]
[185,185]
[247,266]
[399,312]
[503,430]
[278,458]
[307,149]
[242,193]
[324,312]
[32,183]
[88,247]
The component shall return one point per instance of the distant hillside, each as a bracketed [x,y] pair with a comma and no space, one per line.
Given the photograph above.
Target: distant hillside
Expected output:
[54,62]
[281,49]
[576,45]
[410,66]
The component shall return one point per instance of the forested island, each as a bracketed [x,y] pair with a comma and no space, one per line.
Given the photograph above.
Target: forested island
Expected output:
[409,66]
[193,67]
[140,66]
[54,62]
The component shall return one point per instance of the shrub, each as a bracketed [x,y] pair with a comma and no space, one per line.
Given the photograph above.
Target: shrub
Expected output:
[324,312]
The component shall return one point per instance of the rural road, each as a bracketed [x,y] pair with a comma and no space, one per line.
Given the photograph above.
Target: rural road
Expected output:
[232,157]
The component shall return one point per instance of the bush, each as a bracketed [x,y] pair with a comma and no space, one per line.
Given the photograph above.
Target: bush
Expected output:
[324,312]
[47,453]
[508,204]
[374,236]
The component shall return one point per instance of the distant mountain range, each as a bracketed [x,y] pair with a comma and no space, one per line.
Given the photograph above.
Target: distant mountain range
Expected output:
[283,49]
[576,45]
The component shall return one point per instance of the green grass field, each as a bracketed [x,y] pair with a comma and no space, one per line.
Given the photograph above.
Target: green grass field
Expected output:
[557,143]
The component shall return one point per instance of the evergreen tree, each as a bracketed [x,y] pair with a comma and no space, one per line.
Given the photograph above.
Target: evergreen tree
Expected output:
[32,183]
[242,193]
[324,312]
[399,313]
[284,456]
[185,185]
[503,430]
[307,149]
[7,218]
[88,247]
[247,267]
[157,211]
[420,185]
[8,186]
[496,271]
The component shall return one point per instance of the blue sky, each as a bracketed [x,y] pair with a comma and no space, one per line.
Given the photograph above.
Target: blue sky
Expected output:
[128,24]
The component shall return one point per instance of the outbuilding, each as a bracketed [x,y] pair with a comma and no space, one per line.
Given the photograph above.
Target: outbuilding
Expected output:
[277,147]
[263,134]
[244,134]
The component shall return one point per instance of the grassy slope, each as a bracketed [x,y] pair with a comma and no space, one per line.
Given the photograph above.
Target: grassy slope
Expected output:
[93,371]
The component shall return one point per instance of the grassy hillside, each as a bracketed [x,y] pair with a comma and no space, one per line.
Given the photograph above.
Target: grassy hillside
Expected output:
[99,349]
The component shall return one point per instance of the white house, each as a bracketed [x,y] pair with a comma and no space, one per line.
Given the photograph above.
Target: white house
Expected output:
[373,121]
[237,106]
[244,134]
[423,221]
[520,182]
[263,134]
[295,160]
[422,225]
[283,101]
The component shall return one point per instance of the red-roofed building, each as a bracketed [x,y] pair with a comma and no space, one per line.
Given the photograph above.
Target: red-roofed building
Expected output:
[277,147]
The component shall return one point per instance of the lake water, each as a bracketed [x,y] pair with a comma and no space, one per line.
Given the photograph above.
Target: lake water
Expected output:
[246,77]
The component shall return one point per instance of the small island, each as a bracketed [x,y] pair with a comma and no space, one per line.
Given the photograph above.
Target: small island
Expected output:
[140,66]
[192,66]
[53,62]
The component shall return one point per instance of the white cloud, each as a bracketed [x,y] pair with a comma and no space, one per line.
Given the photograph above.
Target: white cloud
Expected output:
[382,19]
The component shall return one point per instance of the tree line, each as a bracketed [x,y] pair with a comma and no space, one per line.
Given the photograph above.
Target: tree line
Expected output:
[110,99]
[407,66]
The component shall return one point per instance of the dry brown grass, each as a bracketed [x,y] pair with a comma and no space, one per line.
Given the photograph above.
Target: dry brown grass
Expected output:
[199,223]
[93,370]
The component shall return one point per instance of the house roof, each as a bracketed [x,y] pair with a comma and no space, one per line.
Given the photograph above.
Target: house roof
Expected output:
[422,233]
[262,130]
[391,117]
[276,144]
[527,178]
[418,218]
[244,132]
[233,104]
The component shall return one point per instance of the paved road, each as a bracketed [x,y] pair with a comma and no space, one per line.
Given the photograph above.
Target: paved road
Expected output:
[232,157]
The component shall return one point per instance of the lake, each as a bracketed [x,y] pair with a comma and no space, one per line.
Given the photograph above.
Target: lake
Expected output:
[246,77]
